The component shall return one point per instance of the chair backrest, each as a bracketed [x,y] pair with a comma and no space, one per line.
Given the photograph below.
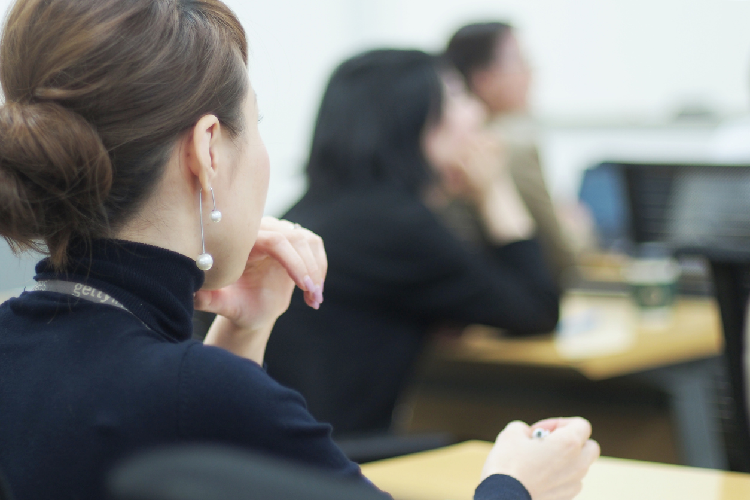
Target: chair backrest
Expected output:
[691,208]
[202,472]
[705,210]
[731,274]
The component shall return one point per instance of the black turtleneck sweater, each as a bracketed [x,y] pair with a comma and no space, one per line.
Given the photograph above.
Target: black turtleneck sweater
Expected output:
[84,385]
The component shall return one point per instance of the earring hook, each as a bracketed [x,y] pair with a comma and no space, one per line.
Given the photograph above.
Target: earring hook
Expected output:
[204,261]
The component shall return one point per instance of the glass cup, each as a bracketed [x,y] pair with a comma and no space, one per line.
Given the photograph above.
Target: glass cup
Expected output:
[653,288]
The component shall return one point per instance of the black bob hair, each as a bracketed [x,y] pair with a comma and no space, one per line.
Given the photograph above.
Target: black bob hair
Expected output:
[371,121]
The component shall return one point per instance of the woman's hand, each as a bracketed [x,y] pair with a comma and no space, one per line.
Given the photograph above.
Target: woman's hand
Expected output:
[284,254]
[482,177]
[475,171]
[552,467]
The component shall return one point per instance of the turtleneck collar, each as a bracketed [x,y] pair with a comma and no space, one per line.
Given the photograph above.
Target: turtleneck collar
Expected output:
[155,284]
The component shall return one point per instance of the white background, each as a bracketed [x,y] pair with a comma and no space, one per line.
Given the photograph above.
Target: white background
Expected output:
[619,61]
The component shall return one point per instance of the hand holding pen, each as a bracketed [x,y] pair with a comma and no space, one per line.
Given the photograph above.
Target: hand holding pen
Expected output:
[549,458]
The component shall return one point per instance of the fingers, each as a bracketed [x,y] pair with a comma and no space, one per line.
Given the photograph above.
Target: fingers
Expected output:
[574,427]
[515,428]
[212,301]
[591,451]
[299,251]
[580,466]
[549,424]
[580,426]
[202,300]
[279,247]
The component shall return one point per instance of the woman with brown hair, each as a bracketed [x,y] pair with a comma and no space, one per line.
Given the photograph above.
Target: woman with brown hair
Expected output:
[130,154]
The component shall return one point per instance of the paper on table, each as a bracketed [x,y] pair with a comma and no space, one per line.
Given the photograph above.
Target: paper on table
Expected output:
[629,479]
[586,331]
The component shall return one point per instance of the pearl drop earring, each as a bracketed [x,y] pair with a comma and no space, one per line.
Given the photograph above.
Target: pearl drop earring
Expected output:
[205,261]
[215,214]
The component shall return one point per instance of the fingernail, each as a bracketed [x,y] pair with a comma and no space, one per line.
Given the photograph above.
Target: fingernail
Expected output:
[309,285]
[319,295]
[316,305]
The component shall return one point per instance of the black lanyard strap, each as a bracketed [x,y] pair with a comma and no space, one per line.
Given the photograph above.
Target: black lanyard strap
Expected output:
[78,290]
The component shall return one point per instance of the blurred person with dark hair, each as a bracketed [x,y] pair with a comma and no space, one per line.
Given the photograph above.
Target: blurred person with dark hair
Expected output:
[397,137]
[489,57]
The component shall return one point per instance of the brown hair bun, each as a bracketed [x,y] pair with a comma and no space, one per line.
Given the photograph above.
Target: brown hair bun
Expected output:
[54,175]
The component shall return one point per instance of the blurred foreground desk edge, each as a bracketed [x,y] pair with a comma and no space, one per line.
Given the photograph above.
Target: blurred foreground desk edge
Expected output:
[452,473]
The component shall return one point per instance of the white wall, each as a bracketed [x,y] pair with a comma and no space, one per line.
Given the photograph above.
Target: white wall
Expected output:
[598,58]
[595,60]
[622,61]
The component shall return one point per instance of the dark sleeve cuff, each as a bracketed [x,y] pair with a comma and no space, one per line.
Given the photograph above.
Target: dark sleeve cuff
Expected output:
[501,487]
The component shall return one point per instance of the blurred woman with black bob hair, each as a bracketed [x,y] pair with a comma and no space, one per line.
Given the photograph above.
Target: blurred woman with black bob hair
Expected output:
[397,136]
[369,127]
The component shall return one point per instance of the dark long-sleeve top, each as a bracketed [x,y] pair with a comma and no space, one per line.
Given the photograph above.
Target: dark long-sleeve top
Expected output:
[84,385]
[395,271]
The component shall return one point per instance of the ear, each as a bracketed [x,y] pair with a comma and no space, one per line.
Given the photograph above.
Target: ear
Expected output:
[202,153]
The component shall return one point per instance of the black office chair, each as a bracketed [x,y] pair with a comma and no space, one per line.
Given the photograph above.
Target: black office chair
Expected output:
[212,472]
[731,274]
[380,446]
[689,206]
[704,210]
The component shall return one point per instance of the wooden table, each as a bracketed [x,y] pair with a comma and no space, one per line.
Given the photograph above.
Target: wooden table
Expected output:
[452,473]
[601,336]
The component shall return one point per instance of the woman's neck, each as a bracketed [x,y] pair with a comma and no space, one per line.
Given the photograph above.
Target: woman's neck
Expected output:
[170,218]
